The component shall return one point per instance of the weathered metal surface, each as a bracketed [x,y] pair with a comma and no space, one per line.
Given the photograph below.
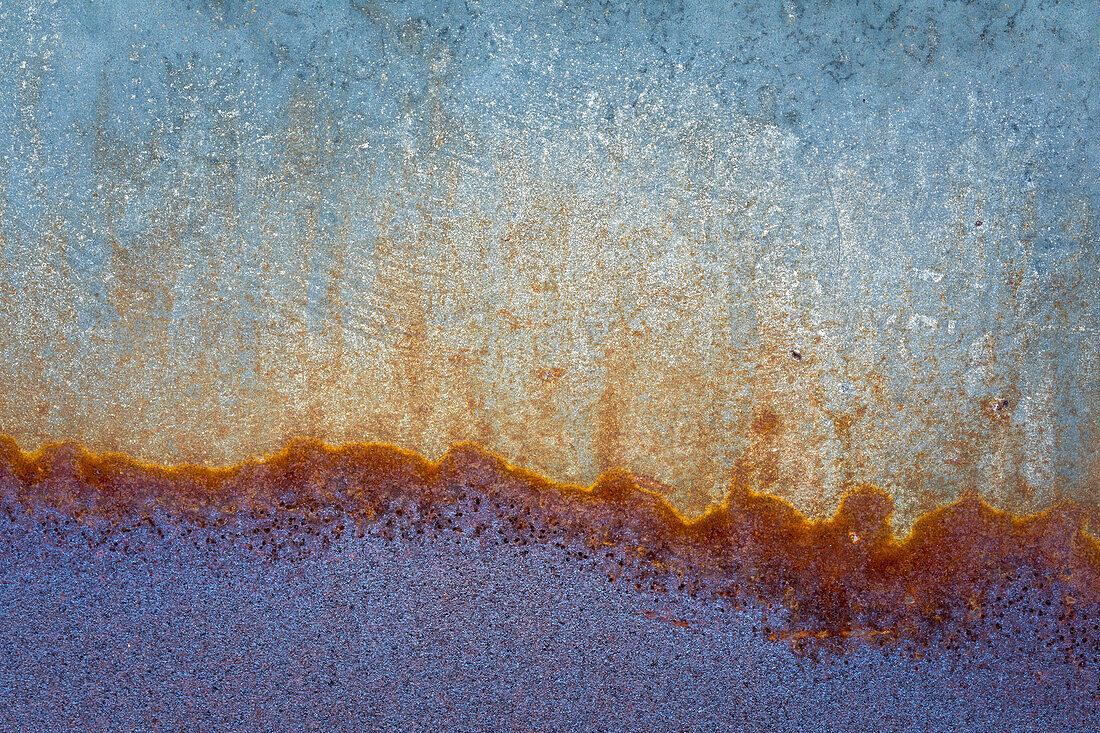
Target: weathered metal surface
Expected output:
[781,248]
[792,244]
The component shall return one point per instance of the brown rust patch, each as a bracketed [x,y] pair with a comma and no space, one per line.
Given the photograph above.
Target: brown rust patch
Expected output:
[767,423]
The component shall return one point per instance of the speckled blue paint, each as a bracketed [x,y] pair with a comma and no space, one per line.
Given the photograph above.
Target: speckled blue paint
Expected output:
[177,628]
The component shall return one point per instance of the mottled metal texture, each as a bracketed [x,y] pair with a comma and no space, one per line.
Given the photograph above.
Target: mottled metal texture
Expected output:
[789,244]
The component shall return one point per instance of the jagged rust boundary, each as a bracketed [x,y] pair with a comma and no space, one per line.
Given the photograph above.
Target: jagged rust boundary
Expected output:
[846,576]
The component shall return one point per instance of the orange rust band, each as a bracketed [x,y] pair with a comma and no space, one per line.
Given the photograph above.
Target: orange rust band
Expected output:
[832,574]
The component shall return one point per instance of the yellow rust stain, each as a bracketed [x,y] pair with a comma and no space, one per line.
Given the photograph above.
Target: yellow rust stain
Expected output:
[567,339]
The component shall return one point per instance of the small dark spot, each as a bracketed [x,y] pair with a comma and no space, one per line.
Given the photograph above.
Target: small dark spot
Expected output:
[796,355]
[978,223]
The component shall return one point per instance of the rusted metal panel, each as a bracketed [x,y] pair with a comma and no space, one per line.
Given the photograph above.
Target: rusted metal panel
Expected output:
[772,329]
